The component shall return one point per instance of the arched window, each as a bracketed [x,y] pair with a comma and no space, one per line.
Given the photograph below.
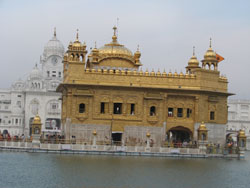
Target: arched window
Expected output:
[81,108]
[212,67]
[152,111]
[77,57]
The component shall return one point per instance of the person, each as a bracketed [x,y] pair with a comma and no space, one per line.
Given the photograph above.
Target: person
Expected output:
[8,137]
[23,137]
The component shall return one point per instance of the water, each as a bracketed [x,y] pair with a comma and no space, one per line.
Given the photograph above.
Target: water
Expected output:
[72,171]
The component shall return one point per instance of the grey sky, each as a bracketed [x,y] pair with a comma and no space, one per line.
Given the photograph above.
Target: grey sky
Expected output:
[165,30]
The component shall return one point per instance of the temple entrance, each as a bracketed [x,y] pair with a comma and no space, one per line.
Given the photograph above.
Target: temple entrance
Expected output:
[179,134]
[117,138]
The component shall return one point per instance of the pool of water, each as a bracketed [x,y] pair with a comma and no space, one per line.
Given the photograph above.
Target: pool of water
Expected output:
[72,171]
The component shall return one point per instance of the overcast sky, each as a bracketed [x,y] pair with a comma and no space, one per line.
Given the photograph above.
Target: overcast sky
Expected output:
[165,30]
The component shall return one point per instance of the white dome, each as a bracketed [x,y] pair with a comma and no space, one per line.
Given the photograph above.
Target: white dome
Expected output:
[53,47]
[35,73]
[19,84]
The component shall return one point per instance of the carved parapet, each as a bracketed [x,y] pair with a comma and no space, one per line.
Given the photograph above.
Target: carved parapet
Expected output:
[144,74]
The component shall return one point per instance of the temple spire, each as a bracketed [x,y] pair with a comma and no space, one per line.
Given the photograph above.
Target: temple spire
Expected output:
[210,43]
[54,31]
[77,35]
[114,28]
[193,50]
[114,36]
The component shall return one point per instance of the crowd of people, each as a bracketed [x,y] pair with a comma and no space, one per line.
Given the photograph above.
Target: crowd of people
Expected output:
[7,137]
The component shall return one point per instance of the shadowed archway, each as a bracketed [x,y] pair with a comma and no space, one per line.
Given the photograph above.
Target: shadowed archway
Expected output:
[180,134]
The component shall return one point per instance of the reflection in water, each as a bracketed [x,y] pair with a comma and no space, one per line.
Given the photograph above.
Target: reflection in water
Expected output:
[54,170]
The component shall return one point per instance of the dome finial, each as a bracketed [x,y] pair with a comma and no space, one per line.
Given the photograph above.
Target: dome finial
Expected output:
[138,49]
[210,43]
[77,35]
[193,50]
[54,31]
[114,28]
[95,44]
[114,36]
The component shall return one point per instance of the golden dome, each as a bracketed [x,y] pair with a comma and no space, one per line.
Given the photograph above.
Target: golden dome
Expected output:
[114,48]
[241,133]
[202,127]
[210,53]
[193,61]
[37,120]
[148,134]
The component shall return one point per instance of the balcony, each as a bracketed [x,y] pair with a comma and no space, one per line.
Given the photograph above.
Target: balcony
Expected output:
[54,112]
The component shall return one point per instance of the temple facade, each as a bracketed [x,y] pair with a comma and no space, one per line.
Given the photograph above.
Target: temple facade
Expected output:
[107,92]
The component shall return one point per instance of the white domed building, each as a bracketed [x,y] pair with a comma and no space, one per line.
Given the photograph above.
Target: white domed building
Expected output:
[20,104]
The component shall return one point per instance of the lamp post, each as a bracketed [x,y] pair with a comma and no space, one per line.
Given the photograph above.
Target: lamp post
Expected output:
[94,139]
[111,130]
[148,139]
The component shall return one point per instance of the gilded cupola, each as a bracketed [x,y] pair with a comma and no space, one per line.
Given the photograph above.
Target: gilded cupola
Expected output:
[76,51]
[193,63]
[210,61]
[114,55]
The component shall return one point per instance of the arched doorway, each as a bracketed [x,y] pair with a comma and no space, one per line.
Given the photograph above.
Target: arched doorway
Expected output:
[180,134]
[231,139]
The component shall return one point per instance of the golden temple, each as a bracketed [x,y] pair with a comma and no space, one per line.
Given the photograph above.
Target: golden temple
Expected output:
[107,93]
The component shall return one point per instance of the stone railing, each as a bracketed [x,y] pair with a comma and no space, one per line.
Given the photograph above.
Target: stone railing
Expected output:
[100,148]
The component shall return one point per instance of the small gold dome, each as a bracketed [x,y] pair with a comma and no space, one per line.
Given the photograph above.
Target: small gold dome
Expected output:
[193,61]
[158,73]
[202,127]
[241,133]
[152,73]
[36,120]
[77,43]
[148,134]
[210,54]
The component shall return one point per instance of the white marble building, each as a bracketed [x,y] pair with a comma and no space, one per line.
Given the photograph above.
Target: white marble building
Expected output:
[35,94]
[238,116]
